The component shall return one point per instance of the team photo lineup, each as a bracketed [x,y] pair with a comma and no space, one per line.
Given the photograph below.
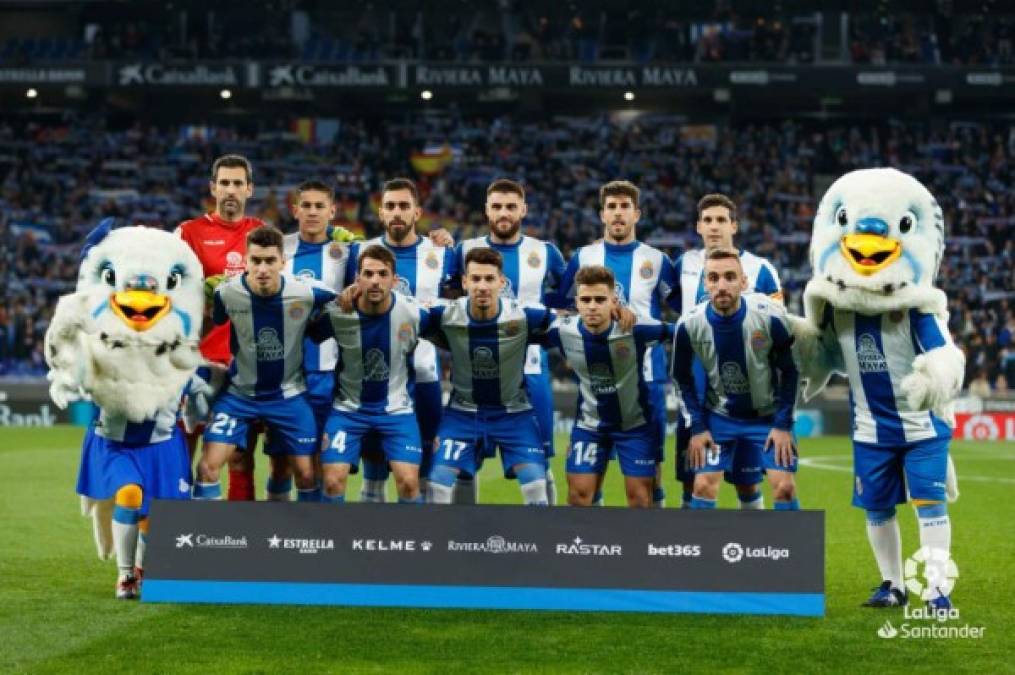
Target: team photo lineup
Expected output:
[329,351]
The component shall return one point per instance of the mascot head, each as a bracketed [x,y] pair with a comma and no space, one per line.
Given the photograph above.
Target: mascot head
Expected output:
[877,243]
[128,335]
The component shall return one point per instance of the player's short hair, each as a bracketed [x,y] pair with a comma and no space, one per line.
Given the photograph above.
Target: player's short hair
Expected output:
[595,274]
[484,256]
[619,188]
[266,236]
[378,252]
[232,162]
[724,253]
[314,185]
[506,185]
[717,199]
[402,184]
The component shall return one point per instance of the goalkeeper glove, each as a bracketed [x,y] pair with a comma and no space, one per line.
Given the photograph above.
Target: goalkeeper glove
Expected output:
[210,284]
[344,236]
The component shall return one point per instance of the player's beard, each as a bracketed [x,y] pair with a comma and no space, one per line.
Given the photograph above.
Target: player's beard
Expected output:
[619,231]
[230,208]
[399,230]
[505,228]
[724,301]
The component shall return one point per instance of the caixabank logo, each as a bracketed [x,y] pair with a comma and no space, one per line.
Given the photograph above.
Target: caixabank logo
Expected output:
[197,540]
[300,545]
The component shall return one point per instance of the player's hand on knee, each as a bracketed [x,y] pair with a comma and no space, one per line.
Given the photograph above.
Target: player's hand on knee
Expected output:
[781,441]
[696,450]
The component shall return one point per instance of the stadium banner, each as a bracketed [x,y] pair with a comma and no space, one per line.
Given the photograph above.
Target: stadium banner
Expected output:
[86,74]
[188,74]
[26,403]
[489,557]
[317,75]
[986,426]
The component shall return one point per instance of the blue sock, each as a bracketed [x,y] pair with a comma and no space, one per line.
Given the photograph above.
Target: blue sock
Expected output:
[532,481]
[659,495]
[597,498]
[685,499]
[207,491]
[791,505]
[417,500]
[701,503]
[309,495]
[122,514]
[337,499]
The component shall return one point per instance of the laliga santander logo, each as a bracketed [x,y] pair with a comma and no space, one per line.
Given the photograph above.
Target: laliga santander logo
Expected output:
[981,428]
[938,573]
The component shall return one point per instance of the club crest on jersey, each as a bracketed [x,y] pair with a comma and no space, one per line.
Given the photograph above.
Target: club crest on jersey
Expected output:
[269,347]
[646,270]
[402,286]
[306,275]
[234,259]
[601,379]
[405,332]
[375,369]
[484,366]
[296,312]
[431,261]
[534,260]
[622,351]
[868,357]
[512,328]
[733,379]
[758,340]
[335,251]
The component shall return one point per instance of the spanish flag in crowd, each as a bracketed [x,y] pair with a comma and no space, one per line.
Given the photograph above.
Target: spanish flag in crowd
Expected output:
[432,160]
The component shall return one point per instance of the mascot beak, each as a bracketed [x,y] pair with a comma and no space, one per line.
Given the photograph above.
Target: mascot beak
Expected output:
[139,306]
[870,253]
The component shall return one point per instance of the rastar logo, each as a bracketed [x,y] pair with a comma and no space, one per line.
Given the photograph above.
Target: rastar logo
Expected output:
[580,547]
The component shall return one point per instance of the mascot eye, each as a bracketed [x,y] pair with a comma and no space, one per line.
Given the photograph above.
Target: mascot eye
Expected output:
[174,280]
[109,276]
[842,217]
[906,223]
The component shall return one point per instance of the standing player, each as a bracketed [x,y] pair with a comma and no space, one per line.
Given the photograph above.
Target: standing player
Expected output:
[311,255]
[532,275]
[488,338]
[268,314]
[613,400]
[376,340]
[645,281]
[717,223]
[219,240]
[423,269]
[744,343]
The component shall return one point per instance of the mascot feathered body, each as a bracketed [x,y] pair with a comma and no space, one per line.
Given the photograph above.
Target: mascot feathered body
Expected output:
[127,339]
[874,315]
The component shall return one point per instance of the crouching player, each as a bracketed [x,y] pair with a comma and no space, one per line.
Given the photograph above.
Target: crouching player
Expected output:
[744,343]
[376,341]
[134,463]
[614,409]
[267,315]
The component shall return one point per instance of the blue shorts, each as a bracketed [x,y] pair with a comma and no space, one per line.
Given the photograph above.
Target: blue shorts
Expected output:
[540,393]
[657,408]
[290,422]
[465,439]
[320,396]
[397,435]
[882,473]
[590,451]
[742,442]
[161,469]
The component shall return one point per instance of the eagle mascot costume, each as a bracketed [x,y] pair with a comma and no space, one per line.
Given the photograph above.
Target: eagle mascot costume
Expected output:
[127,339]
[874,315]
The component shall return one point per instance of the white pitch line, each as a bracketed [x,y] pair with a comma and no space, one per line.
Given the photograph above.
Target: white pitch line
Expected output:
[817,463]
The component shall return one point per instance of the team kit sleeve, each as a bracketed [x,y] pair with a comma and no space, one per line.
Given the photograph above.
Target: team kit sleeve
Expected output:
[683,357]
[554,293]
[788,380]
[648,332]
[539,319]
[219,315]
[564,297]
[677,300]
[320,328]
[668,287]
[768,281]
[351,265]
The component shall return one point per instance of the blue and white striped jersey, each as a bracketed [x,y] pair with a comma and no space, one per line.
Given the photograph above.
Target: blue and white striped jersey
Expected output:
[423,270]
[878,351]
[645,280]
[689,270]
[487,357]
[374,364]
[325,263]
[533,270]
[747,359]
[156,430]
[612,394]
[266,335]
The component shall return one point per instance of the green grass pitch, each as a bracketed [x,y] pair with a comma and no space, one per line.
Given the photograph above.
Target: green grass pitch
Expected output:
[57,611]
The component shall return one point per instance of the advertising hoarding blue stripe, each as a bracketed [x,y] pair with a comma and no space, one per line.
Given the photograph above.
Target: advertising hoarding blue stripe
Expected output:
[481,597]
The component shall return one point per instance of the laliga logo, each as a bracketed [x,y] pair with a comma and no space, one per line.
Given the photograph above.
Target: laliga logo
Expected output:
[939,573]
[732,552]
[981,428]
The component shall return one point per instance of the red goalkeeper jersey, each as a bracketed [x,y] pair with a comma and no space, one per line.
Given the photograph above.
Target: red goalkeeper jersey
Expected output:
[221,247]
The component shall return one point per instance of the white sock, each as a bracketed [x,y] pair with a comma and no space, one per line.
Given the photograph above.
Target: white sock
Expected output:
[756,504]
[551,488]
[466,491]
[886,542]
[600,500]
[125,541]
[936,535]
[373,491]
[438,494]
[534,492]
[142,545]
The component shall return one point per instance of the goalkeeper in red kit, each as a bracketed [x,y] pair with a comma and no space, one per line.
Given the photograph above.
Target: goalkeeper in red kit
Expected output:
[219,240]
